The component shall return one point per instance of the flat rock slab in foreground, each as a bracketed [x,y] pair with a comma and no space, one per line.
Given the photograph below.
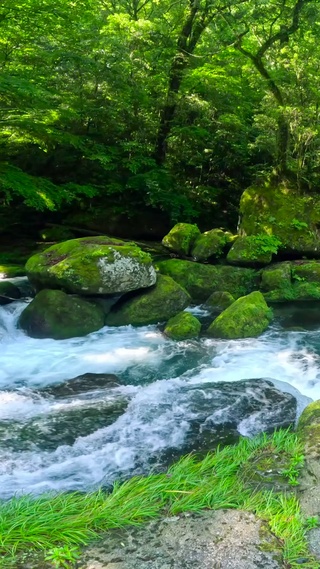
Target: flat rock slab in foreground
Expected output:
[223,539]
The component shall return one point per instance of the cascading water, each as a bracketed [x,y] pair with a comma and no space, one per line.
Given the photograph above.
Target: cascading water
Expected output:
[59,440]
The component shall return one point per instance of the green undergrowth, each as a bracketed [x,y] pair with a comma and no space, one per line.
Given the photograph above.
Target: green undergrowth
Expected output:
[54,526]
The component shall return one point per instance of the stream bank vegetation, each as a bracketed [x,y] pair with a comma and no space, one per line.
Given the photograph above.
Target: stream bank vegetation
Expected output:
[257,475]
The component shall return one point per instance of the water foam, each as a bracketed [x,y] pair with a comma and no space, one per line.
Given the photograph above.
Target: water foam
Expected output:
[155,370]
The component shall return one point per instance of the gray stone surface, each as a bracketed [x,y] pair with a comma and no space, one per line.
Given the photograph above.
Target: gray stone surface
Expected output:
[224,539]
[309,495]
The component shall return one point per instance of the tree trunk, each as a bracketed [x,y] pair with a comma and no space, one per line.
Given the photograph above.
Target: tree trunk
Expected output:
[195,23]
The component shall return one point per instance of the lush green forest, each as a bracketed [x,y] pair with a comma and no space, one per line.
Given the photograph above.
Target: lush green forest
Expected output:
[128,106]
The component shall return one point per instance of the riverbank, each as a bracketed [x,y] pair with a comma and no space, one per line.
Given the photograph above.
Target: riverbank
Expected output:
[257,475]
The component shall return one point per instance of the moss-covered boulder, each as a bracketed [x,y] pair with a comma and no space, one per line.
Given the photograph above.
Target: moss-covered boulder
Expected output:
[8,292]
[183,326]
[291,280]
[11,271]
[210,245]
[55,314]
[309,426]
[157,304]
[92,265]
[202,280]
[276,282]
[219,300]
[181,238]
[280,211]
[251,251]
[247,317]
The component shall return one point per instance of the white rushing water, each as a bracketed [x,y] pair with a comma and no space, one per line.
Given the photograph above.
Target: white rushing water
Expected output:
[154,372]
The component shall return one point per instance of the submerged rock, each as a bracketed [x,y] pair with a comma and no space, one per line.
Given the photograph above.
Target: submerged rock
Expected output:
[183,326]
[8,292]
[92,265]
[82,384]
[157,304]
[54,314]
[222,539]
[210,244]
[223,411]
[181,237]
[202,280]
[64,423]
[247,317]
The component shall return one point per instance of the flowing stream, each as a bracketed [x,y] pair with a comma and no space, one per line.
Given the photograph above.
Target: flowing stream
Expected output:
[56,438]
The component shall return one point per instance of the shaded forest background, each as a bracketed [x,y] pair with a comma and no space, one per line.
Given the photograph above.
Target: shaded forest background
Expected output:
[153,111]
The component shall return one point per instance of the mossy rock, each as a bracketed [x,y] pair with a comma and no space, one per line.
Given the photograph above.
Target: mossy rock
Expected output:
[8,292]
[291,281]
[276,276]
[55,314]
[276,282]
[157,304]
[249,252]
[211,244]
[309,426]
[92,265]
[247,317]
[306,271]
[280,211]
[181,238]
[11,271]
[202,280]
[183,326]
[219,300]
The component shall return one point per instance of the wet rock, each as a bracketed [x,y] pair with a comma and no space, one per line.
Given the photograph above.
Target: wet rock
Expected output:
[223,539]
[223,411]
[8,292]
[82,384]
[54,314]
[73,415]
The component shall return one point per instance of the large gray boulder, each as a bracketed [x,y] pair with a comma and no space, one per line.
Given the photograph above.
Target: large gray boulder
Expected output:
[92,266]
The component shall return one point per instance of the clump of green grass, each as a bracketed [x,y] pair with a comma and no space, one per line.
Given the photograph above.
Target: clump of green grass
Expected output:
[57,524]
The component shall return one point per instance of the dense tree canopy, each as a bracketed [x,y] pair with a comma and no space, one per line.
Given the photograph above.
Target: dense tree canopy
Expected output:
[156,103]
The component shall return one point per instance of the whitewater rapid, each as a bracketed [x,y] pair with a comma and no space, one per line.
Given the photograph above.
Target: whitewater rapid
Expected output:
[154,373]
